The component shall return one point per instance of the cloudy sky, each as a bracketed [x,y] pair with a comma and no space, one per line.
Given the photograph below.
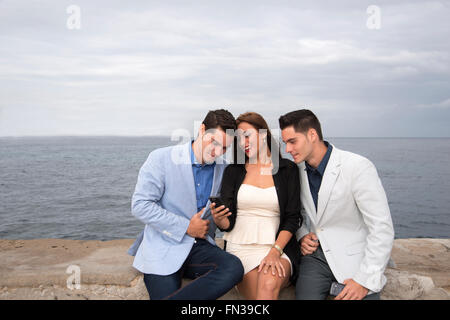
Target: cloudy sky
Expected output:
[150,67]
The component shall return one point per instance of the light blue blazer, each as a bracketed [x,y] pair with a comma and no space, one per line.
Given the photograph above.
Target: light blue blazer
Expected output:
[165,200]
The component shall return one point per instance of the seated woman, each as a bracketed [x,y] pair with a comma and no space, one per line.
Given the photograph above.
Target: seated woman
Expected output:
[261,211]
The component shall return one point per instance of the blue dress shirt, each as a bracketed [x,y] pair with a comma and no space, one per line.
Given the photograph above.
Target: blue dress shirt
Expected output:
[203,179]
[315,174]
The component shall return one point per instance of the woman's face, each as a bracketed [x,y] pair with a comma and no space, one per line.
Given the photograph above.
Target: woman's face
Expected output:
[249,139]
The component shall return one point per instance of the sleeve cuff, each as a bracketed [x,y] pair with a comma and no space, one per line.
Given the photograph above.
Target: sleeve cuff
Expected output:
[373,282]
[301,233]
[180,231]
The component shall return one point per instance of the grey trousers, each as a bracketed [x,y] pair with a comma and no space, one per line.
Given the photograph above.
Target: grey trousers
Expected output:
[315,278]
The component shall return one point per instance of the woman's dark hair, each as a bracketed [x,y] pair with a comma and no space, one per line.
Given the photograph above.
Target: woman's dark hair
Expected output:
[221,119]
[302,121]
[258,122]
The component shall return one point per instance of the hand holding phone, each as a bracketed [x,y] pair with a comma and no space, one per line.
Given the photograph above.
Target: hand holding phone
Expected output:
[219,215]
[217,201]
[336,288]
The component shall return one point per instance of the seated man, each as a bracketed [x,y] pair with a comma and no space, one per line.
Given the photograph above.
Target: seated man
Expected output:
[350,233]
[171,198]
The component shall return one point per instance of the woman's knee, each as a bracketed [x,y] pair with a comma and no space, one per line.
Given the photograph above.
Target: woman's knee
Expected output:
[269,283]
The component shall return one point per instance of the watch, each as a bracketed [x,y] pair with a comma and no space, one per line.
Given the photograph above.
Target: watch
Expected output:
[278,248]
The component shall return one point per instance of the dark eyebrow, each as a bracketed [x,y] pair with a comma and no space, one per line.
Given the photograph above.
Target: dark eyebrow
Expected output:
[291,140]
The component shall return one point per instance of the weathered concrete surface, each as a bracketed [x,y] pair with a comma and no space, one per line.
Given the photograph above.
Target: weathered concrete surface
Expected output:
[426,257]
[36,269]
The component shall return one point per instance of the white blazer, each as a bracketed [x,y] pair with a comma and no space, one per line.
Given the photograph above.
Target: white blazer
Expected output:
[352,221]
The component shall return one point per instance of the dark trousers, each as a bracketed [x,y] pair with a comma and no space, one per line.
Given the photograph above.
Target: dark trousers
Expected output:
[214,271]
[315,278]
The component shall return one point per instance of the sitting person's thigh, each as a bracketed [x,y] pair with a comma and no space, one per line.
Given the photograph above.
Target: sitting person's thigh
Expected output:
[160,287]
[206,257]
[314,279]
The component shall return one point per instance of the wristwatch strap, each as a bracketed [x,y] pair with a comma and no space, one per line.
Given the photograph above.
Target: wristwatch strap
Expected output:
[278,248]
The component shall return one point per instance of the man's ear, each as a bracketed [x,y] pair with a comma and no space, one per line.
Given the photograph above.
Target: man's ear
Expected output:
[312,135]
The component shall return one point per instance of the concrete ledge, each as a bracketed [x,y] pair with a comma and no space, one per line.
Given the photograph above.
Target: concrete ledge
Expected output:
[36,269]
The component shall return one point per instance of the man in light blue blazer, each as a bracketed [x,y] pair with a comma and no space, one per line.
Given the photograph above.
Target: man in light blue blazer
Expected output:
[171,198]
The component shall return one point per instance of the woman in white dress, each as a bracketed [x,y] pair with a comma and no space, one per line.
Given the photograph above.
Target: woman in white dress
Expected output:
[261,211]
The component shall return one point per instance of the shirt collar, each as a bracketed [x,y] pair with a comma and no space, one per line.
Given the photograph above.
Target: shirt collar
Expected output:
[323,164]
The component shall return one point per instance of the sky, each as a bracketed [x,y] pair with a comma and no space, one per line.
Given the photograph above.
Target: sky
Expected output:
[135,68]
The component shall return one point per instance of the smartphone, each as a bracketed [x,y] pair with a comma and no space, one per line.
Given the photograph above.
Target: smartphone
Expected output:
[216,200]
[336,288]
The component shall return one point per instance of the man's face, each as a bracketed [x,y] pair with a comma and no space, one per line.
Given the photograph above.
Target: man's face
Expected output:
[214,144]
[297,144]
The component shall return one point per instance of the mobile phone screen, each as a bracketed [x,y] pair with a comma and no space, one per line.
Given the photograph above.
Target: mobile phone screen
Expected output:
[216,200]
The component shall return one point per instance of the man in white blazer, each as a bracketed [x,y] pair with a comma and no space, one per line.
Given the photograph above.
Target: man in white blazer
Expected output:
[348,234]
[171,199]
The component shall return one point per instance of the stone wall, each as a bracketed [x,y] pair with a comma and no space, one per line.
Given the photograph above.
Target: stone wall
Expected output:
[41,268]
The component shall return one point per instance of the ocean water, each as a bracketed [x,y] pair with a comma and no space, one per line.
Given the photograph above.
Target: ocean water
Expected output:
[81,187]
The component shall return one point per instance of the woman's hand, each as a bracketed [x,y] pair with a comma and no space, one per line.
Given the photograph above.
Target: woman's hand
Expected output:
[220,215]
[273,260]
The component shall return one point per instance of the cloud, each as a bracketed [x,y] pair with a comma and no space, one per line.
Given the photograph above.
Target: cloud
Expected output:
[152,67]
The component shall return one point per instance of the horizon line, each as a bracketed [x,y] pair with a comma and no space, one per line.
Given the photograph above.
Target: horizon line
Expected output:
[168,136]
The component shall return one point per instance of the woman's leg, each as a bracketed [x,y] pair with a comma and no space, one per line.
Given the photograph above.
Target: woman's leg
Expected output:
[247,288]
[269,285]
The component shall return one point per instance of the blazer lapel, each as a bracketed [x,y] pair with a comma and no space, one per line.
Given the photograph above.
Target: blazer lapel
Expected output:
[328,181]
[187,176]
[306,197]
[217,179]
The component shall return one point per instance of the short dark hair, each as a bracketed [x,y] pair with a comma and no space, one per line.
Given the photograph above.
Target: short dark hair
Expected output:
[220,118]
[302,121]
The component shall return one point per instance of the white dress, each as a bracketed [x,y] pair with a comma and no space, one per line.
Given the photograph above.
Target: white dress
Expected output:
[257,222]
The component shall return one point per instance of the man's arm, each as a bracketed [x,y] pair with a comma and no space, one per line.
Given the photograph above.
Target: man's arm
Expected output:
[304,228]
[371,200]
[149,190]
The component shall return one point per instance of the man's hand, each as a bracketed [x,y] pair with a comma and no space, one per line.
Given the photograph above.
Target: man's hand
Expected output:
[309,243]
[352,291]
[198,228]
[220,215]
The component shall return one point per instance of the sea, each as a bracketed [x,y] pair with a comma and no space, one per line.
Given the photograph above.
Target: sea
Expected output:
[81,187]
